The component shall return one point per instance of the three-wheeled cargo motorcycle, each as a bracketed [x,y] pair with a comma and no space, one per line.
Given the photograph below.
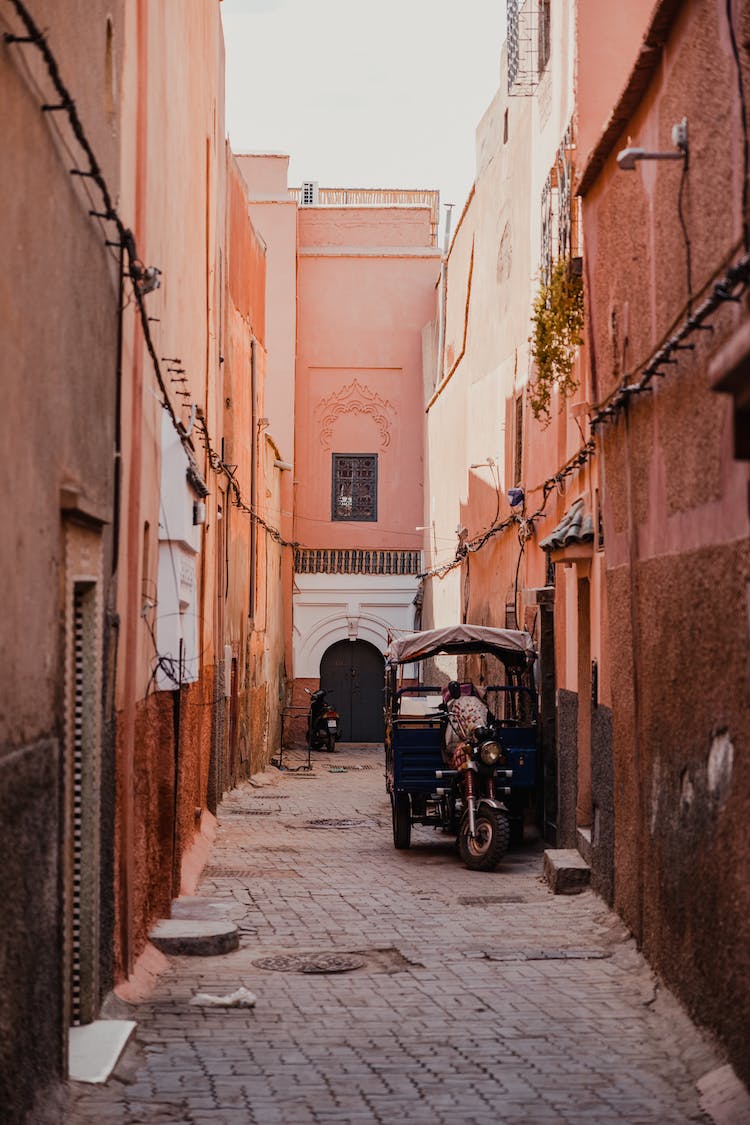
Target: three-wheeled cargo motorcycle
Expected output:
[463,756]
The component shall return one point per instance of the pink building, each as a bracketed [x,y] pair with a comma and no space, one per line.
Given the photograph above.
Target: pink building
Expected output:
[351,283]
[368,267]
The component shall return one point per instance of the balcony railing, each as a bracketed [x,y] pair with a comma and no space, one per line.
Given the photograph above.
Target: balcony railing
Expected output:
[324,560]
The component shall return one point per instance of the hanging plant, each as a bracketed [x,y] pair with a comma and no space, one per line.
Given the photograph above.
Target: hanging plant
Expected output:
[557,323]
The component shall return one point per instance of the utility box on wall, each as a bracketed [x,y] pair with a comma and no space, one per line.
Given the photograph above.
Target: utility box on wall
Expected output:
[177,633]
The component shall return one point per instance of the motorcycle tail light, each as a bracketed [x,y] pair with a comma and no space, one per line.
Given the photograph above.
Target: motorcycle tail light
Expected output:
[490,753]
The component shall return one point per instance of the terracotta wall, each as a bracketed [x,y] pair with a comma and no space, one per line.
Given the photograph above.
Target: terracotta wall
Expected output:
[173,196]
[250,574]
[676,524]
[58,335]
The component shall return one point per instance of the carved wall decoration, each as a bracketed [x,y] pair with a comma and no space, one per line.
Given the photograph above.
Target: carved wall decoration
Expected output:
[355,399]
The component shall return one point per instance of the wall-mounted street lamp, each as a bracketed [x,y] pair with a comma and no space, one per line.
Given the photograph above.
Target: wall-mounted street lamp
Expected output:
[627,158]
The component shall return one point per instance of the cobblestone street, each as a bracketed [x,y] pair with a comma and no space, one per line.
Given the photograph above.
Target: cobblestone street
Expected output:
[481,998]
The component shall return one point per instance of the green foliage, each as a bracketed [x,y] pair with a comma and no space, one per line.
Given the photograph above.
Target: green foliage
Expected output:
[557,323]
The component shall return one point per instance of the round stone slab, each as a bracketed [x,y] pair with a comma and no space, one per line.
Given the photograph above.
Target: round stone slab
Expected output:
[193,937]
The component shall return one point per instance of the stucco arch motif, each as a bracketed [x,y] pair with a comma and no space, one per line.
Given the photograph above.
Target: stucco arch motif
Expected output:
[338,627]
[355,399]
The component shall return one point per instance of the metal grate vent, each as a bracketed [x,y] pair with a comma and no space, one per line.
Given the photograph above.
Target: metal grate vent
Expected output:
[77,749]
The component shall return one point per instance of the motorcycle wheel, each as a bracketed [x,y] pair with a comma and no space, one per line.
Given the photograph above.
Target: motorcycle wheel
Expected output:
[484,851]
[401,816]
[330,742]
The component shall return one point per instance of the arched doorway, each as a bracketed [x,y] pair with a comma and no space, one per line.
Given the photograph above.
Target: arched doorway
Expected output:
[352,671]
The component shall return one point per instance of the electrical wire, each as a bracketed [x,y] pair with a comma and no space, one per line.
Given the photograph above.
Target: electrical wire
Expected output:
[728,289]
[743,118]
[136,269]
[723,291]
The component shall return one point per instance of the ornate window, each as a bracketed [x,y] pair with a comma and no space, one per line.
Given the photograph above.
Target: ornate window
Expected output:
[355,487]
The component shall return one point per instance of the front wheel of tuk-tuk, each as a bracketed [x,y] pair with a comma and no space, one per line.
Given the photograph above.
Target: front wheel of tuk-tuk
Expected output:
[401,815]
[484,850]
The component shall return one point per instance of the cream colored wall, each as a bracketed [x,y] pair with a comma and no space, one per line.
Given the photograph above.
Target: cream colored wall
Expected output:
[492,277]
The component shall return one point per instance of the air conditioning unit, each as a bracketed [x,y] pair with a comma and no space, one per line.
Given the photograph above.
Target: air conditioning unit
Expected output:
[309,194]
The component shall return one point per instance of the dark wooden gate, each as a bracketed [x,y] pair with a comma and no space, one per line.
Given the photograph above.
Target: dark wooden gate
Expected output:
[352,671]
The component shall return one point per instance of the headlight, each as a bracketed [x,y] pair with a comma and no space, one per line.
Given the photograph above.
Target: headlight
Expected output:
[490,752]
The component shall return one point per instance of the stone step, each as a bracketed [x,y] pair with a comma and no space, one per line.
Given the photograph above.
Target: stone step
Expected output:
[566,871]
[194,937]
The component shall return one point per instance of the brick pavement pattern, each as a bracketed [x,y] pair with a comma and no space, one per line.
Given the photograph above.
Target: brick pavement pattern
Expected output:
[483,998]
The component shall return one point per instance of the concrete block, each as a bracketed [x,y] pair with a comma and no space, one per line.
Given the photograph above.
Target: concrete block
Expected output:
[193,937]
[565,871]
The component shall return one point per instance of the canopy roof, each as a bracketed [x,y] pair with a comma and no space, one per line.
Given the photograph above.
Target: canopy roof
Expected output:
[509,645]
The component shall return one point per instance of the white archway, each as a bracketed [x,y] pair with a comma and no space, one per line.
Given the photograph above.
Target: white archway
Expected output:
[335,607]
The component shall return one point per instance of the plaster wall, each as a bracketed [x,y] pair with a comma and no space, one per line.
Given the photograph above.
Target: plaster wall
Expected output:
[337,607]
[676,529]
[58,325]
[265,173]
[274,216]
[359,377]
[608,37]
[377,227]
[493,272]
[367,279]
[173,197]
[251,583]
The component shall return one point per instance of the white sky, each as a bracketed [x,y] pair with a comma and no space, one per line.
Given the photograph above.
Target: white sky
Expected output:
[364,95]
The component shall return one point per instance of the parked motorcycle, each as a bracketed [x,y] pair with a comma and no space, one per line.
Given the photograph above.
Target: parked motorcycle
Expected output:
[323,727]
[471,806]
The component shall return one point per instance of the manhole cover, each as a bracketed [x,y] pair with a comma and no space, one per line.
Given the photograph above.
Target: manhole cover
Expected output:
[489,900]
[310,963]
[340,824]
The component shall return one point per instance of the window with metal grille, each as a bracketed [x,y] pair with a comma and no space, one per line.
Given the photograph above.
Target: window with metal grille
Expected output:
[545,41]
[529,43]
[518,451]
[355,487]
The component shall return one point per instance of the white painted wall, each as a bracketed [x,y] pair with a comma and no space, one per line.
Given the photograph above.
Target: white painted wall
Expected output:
[337,607]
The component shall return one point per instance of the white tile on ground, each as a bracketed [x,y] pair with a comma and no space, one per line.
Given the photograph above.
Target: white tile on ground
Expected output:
[94,1048]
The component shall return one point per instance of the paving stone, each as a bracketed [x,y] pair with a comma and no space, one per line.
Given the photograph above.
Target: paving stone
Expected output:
[430,1029]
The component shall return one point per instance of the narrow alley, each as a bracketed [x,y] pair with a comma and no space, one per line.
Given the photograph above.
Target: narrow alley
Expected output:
[479,997]
[376,388]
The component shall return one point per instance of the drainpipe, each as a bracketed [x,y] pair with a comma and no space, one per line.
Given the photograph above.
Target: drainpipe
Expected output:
[443,293]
